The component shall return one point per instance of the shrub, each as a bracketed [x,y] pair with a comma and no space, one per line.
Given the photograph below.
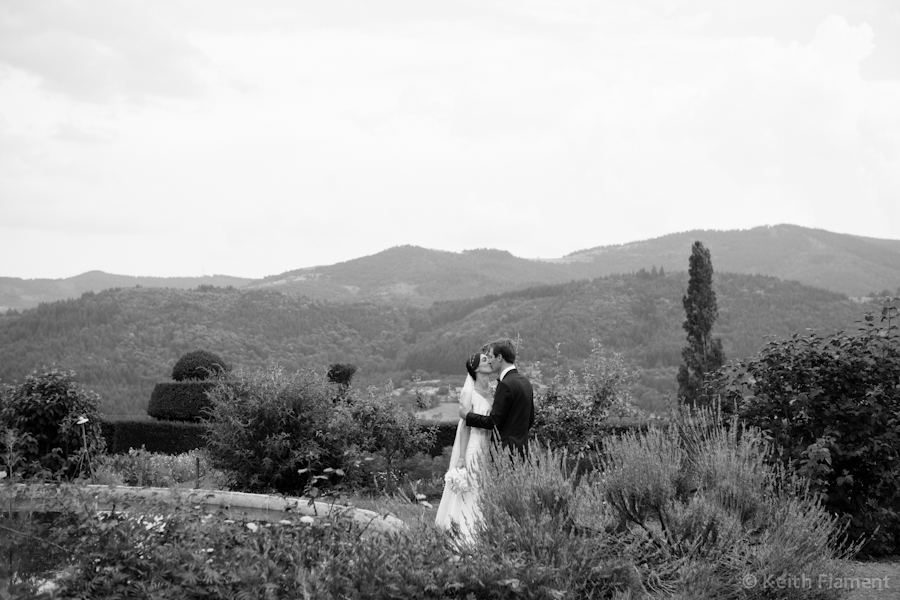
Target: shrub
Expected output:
[687,511]
[571,409]
[830,404]
[180,400]
[199,365]
[384,427]
[44,411]
[273,430]
[703,507]
[267,425]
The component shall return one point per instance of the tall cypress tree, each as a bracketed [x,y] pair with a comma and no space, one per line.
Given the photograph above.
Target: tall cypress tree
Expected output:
[703,353]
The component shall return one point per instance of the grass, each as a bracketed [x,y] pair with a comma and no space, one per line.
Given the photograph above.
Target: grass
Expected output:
[886,569]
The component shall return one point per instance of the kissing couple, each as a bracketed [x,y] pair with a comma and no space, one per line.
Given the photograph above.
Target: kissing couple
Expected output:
[508,411]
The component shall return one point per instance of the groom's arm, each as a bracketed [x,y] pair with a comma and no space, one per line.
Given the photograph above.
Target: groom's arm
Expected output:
[502,399]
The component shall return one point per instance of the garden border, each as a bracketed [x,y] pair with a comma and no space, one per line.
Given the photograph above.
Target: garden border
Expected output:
[259,507]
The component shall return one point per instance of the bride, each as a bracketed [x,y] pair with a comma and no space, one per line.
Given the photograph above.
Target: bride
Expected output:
[458,503]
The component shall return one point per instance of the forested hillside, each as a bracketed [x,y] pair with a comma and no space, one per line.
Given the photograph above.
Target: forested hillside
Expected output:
[121,342]
[639,315]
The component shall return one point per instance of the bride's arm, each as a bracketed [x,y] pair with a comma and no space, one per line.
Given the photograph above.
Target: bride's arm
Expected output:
[463,434]
[463,444]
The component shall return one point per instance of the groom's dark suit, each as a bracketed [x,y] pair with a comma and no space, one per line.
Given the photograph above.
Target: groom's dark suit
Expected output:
[512,413]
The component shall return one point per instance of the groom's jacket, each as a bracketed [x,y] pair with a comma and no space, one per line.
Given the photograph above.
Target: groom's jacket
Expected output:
[513,412]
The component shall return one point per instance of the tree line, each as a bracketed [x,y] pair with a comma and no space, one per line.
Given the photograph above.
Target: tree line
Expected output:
[122,342]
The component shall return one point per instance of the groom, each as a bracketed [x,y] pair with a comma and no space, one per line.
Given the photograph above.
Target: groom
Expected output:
[512,414]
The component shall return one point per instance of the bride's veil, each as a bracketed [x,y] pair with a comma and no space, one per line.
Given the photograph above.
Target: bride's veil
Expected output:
[459,446]
[462,432]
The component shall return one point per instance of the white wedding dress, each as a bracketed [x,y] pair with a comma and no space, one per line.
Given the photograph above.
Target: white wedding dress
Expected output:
[471,443]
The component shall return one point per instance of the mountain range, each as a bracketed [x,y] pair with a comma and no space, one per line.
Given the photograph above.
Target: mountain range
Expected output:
[414,276]
[413,310]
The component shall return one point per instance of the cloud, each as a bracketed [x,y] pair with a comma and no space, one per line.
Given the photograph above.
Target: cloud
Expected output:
[68,132]
[311,133]
[97,50]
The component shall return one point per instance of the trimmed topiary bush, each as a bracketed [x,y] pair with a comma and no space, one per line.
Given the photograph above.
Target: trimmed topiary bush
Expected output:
[180,400]
[341,373]
[199,365]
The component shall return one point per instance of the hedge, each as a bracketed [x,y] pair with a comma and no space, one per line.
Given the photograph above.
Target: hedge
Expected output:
[446,434]
[164,437]
[446,431]
[179,400]
[174,437]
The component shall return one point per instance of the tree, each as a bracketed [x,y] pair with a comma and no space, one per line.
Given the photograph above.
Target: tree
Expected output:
[703,353]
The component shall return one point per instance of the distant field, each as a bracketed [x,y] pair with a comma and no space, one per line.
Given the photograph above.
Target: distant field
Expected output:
[445,411]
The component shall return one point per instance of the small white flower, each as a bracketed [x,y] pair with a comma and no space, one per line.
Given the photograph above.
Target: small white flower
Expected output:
[284,522]
[253,527]
[209,550]
[420,496]
[426,504]
[2,474]
[307,519]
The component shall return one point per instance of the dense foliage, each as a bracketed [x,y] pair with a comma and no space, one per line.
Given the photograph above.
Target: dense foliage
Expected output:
[690,511]
[123,342]
[831,404]
[703,353]
[164,437]
[269,430]
[573,409]
[272,430]
[49,424]
[341,373]
[198,365]
[179,400]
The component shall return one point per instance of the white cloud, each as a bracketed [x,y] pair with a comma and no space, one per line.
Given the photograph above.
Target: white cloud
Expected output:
[97,50]
[271,137]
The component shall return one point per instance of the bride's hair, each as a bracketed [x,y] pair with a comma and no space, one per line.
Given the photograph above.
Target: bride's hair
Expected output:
[472,364]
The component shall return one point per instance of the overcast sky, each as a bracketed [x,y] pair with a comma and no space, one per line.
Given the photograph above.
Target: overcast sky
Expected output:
[191,137]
